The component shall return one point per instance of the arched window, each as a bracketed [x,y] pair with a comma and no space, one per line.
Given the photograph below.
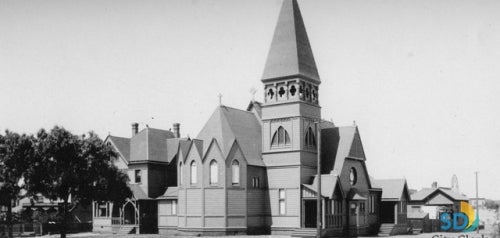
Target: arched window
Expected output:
[214,172]
[180,173]
[310,138]
[194,175]
[280,138]
[235,168]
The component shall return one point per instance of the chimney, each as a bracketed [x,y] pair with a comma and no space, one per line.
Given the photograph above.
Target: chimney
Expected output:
[177,130]
[434,184]
[135,128]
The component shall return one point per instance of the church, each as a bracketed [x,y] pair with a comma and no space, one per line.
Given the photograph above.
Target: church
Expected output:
[252,170]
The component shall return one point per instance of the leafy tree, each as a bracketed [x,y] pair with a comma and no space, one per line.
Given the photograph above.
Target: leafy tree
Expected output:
[75,170]
[16,154]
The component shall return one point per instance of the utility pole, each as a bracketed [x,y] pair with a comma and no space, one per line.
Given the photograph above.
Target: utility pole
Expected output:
[318,213]
[477,201]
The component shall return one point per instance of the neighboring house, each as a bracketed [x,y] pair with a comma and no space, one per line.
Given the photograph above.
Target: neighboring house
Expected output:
[436,200]
[148,160]
[251,171]
[393,208]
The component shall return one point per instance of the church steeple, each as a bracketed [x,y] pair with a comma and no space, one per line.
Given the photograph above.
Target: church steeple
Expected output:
[290,54]
[291,84]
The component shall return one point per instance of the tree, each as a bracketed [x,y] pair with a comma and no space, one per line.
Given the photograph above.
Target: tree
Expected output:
[16,154]
[75,170]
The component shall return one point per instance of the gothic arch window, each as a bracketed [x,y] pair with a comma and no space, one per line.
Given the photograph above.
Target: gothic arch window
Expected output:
[310,138]
[235,169]
[180,173]
[280,138]
[194,174]
[214,172]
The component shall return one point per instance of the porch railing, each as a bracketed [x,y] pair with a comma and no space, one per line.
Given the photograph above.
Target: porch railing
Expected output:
[335,220]
[116,221]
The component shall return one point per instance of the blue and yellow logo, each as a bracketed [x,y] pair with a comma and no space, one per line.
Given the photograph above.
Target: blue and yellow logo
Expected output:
[465,221]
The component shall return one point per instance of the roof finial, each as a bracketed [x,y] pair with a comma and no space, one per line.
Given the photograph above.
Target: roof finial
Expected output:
[253,91]
[220,99]
[354,123]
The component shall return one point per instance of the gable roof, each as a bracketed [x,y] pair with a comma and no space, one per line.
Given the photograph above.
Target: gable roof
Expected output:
[174,145]
[338,143]
[227,125]
[171,192]
[122,145]
[290,53]
[428,193]
[150,144]
[392,189]
[440,199]
[328,184]
[137,192]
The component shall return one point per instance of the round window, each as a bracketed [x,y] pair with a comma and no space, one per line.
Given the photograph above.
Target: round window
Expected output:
[353,176]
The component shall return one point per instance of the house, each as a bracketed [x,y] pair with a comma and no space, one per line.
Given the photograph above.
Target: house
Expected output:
[252,171]
[393,206]
[147,159]
[436,200]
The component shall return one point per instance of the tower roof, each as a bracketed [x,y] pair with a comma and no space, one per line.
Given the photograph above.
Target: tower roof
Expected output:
[290,53]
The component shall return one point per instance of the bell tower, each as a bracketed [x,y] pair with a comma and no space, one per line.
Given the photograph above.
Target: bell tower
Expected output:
[289,112]
[291,86]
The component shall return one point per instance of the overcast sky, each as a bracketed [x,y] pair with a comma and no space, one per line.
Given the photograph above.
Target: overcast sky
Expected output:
[419,77]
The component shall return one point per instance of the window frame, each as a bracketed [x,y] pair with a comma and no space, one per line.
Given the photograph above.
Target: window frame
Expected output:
[137,176]
[173,207]
[193,173]
[281,202]
[213,172]
[281,138]
[235,175]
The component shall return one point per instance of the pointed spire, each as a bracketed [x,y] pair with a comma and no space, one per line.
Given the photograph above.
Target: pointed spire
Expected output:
[290,53]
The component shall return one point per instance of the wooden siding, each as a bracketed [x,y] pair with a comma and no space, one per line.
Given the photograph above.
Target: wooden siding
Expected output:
[194,202]
[144,176]
[158,174]
[362,184]
[214,221]
[214,202]
[165,216]
[236,221]
[236,202]
[282,159]
[283,177]
[193,221]
[255,202]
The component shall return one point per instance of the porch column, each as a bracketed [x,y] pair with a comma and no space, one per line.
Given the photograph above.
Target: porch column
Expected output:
[323,221]
[396,213]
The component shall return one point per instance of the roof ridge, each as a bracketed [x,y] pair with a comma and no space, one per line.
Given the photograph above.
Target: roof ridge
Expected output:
[237,109]
[120,137]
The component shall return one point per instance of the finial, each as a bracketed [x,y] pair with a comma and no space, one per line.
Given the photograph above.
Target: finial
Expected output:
[220,99]
[354,123]
[253,91]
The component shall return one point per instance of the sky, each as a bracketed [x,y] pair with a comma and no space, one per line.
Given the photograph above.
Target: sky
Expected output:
[419,77]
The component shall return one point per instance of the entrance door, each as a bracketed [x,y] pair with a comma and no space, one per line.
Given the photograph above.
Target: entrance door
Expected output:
[387,212]
[310,209]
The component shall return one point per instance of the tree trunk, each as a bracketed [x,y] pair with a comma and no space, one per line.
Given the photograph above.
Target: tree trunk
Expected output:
[9,219]
[64,217]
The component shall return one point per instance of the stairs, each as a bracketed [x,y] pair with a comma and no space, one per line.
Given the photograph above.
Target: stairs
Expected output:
[386,229]
[125,230]
[416,231]
[304,232]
